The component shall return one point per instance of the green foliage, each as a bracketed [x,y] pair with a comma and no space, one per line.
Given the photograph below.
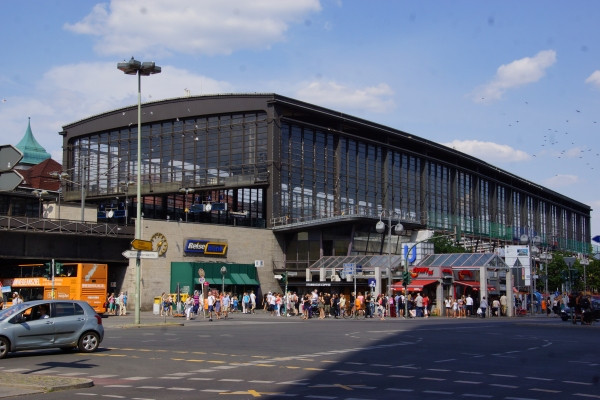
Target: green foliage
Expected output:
[578,278]
[445,245]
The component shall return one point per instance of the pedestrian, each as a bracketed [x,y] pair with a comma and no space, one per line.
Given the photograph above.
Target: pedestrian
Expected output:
[111,304]
[245,303]
[469,302]
[225,304]
[419,305]
[503,302]
[495,307]
[196,302]
[252,302]
[189,307]
[342,305]
[211,305]
[483,305]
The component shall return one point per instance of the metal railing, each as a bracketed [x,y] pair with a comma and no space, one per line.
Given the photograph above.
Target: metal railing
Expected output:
[44,225]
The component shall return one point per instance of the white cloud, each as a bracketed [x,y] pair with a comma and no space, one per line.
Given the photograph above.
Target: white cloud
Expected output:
[71,92]
[489,151]
[594,79]
[155,27]
[376,99]
[559,181]
[517,73]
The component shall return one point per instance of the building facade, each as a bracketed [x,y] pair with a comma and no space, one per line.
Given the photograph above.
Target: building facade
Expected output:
[316,179]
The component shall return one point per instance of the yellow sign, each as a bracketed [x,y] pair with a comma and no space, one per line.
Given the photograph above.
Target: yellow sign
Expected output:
[139,244]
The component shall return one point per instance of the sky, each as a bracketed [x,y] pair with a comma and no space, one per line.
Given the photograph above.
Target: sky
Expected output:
[514,83]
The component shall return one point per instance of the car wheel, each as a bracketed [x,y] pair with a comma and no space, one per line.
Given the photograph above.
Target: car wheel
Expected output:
[4,347]
[88,342]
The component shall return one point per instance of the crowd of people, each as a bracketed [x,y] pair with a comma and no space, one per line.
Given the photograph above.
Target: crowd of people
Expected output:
[116,305]
[322,305]
[360,305]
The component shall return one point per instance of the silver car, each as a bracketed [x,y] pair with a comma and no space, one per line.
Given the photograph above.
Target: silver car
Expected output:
[42,324]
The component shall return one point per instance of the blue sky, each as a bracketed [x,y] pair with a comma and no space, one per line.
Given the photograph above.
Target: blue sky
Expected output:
[515,83]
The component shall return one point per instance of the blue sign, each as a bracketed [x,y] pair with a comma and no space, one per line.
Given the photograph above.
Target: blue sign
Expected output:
[205,247]
[372,282]
[596,238]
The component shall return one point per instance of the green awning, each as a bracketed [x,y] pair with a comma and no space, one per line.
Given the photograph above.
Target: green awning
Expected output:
[244,279]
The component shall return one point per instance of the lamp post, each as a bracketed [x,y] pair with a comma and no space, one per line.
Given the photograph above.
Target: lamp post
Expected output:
[585,262]
[380,228]
[532,243]
[39,193]
[223,272]
[185,209]
[546,257]
[125,186]
[135,67]
[60,176]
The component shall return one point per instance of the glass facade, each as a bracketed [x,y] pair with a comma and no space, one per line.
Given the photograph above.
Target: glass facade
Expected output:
[221,157]
[326,173]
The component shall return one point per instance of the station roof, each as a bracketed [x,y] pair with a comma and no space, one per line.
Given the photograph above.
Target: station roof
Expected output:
[463,260]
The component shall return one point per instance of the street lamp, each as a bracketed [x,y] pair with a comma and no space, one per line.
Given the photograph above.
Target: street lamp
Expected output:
[223,272]
[380,228]
[185,209]
[135,67]
[532,243]
[39,193]
[125,186]
[546,258]
[61,176]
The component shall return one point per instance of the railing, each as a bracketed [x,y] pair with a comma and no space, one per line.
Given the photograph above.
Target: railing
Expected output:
[350,212]
[44,225]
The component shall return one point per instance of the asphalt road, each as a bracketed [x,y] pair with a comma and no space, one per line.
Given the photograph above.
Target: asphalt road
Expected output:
[258,356]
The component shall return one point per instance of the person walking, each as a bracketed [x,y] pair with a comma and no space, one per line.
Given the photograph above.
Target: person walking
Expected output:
[211,305]
[483,305]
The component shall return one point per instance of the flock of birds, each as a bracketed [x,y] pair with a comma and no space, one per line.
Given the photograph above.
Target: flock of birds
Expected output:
[573,140]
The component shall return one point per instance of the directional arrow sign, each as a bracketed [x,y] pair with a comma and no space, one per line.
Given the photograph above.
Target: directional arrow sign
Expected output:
[139,244]
[9,180]
[139,254]
[9,157]
[596,238]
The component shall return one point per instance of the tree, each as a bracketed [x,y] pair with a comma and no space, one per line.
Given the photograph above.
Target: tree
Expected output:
[445,244]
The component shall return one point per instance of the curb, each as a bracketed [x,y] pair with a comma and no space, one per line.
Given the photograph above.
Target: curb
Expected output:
[13,384]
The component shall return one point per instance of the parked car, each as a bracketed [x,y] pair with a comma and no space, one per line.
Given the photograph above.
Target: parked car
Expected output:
[42,324]
[592,313]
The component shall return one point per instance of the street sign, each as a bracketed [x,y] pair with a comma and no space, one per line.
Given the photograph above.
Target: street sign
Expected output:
[596,238]
[9,158]
[277,276]
[569,261]
[140,254]
[349,268]
[9,180]
[139,244]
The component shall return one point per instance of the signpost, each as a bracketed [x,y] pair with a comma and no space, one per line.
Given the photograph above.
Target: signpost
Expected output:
[140,254]
[9,158]
[139,244]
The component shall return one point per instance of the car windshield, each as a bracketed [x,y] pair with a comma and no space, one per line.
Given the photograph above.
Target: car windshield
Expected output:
[9,312]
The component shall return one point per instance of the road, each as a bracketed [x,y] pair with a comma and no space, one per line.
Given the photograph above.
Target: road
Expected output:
[258,356]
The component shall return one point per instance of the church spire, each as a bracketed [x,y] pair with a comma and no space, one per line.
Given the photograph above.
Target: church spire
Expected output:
[33,152]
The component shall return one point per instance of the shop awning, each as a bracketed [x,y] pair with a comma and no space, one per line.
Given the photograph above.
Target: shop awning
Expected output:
[417,284]
[243,279]
[474,285]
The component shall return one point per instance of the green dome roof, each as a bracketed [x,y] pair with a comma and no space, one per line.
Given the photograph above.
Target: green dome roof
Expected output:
[33,152]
